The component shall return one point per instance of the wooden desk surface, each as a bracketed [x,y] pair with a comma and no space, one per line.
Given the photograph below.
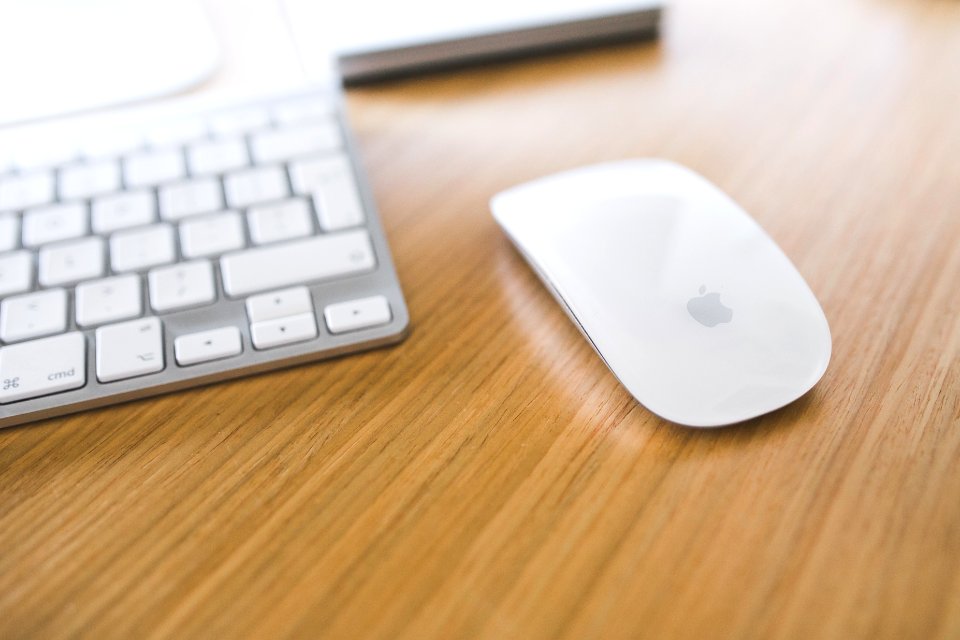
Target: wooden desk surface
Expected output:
[489,477]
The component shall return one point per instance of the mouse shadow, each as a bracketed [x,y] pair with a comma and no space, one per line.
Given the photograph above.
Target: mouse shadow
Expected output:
[800,414]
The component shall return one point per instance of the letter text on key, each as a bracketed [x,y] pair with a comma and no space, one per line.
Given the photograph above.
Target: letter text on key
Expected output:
[330,180]
[188,284]
[143,247]
[32,315]
[108,300]
[123,210]
[189,198]
[253,186]
[53,223]
[211,235]
[279,221]
[70,262]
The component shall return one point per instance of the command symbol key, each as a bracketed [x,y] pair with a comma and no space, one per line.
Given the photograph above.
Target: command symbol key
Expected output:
[41,367]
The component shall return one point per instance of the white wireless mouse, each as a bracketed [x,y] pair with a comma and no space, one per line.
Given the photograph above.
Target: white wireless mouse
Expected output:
[692,306]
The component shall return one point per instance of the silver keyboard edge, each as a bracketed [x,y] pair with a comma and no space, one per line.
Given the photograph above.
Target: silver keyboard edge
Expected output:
[148,391]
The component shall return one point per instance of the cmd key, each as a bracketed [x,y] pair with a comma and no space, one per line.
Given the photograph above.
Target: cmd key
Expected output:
[42,367]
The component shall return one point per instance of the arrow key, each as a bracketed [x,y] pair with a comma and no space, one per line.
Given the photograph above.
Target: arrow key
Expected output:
[357,314]
[204,346]
[279,304]
[276,333]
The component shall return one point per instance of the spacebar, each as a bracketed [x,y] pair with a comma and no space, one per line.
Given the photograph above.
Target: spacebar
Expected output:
[332,255]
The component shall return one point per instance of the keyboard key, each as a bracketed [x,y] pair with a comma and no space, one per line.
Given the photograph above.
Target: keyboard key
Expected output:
[279,304]
[129,349]
[150,168]
[176,132]
[136,249]
[71,262]
[282,265]
[357,314]
[311,174]
[42,367]
[279,221]
[335,196]
[212,235]
[301,110]
[7,158]
[104,142]
[16,272]
[217,156]
[32,315]
[26,190]
[276,333]
[188,284]
[124,210]
[205,346]
[38,152]
[292,142]
[239,121]
[9,231]
[255,186]
[89,179]
[338,205]
[108,300]
[54,223]
[190,198]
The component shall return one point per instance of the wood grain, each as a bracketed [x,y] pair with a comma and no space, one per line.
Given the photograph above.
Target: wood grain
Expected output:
[489,477]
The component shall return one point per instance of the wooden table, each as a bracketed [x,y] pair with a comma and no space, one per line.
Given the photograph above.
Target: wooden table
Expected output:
[489,477]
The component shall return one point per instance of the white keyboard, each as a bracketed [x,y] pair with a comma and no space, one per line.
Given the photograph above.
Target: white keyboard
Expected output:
[149,252]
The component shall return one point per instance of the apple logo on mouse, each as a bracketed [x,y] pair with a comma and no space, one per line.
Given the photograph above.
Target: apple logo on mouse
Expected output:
[708,310]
